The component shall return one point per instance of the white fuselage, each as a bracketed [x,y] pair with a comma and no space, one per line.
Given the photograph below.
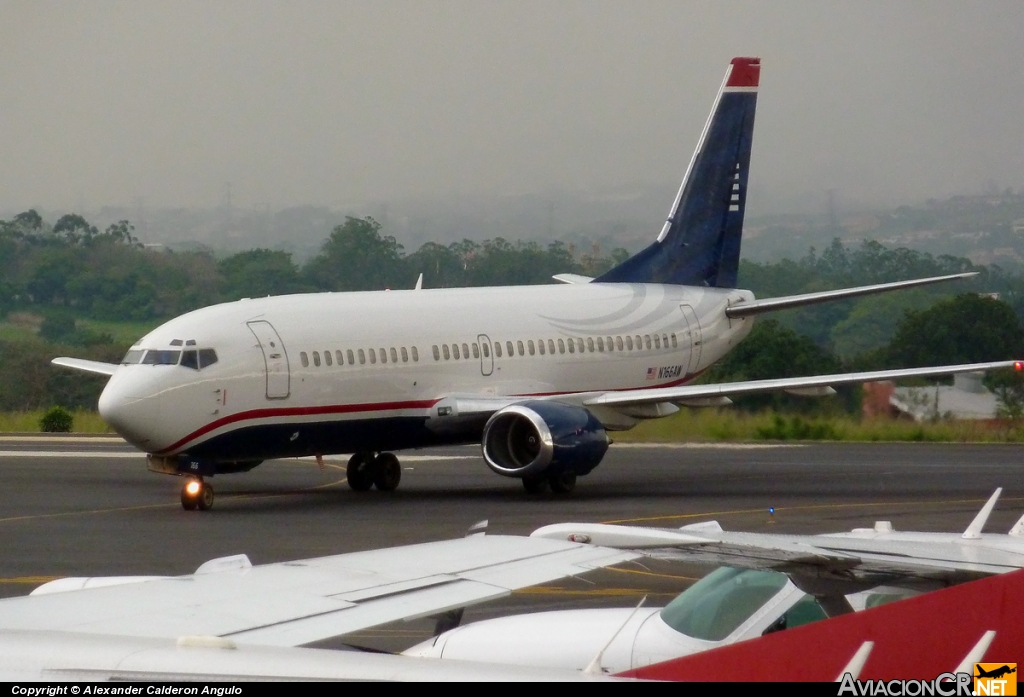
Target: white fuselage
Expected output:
[340,372]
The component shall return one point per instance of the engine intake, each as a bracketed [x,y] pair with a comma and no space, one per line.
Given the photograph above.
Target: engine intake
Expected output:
[538,437]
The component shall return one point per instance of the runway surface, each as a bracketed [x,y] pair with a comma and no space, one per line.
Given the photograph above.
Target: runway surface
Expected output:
[86,506]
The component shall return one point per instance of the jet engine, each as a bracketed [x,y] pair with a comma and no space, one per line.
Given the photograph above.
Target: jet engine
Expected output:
[537,438]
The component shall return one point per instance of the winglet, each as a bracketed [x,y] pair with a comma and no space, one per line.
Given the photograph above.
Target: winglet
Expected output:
[1018,529]
[419,283]
[973,531]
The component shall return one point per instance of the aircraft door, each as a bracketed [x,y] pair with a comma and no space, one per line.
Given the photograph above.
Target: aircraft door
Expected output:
[275,359]
[486,354]
[693,336]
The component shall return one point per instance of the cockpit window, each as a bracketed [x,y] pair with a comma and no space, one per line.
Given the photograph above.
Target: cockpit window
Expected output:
[716,605]
[132,357]
[190,359]
[198,359]
[207,357]
[160,357]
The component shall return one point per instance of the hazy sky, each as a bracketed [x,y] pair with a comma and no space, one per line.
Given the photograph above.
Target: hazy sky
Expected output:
[333,103]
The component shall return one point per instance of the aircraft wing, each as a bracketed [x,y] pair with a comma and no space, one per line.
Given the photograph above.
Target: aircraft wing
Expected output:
[811,385]
[942,557]
[294,603]
[86,365]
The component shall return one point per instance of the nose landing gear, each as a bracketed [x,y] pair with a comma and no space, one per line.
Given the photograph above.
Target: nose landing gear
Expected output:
[196,494]
[364,471]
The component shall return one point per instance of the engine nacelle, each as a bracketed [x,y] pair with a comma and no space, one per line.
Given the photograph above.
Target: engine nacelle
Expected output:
[537,437]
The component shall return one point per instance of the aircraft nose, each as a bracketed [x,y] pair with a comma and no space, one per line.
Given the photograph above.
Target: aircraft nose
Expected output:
[124,409]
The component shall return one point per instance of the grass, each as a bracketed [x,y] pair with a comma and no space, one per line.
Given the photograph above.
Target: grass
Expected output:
[28,422]
[711,425]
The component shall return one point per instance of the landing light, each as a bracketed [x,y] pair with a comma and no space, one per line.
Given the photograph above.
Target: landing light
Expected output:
[1018,365]
[192,488]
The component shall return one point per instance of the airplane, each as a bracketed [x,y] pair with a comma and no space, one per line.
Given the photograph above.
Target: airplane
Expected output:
[769,583]
[233,620]
[537,374]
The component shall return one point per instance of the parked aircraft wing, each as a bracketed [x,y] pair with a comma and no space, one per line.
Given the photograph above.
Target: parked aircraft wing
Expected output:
[86,365]
[731,389]
[860,554]
[757,307]
[294,603]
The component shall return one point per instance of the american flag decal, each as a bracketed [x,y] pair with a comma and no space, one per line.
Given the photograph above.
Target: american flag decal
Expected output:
[652,373]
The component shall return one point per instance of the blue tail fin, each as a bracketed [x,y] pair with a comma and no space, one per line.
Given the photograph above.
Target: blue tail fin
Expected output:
[700,242]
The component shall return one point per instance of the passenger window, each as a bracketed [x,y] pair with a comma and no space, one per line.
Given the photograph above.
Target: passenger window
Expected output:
[657,341]
[639,343]
[327,357]
[465,351]
[447,352]
[373,356]
[600,344]
[190,359]
[207,357]
[455,351]
[647,341]
[316,359]
[674,345]
[487,350]
[340,357]
[497,349]
[590,344]
[629,343]
[383,355]
[618,343]
[304,358]
[529,345]
[394,354]
[351,358]
[540,346]
[476,350]
[551,346]
[572,346]
[561,346]
[405,355]
[437,354]
[664,340]
[511,351]
[362,357]
[522,350]
[415,355]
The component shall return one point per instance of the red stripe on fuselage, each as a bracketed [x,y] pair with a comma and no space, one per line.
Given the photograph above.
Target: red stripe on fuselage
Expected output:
[381,406]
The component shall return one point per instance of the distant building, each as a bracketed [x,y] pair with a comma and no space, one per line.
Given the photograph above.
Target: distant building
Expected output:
[966,398]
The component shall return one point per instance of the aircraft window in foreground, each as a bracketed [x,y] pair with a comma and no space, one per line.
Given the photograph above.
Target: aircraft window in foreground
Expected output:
[572,346]
[629,343]
[657,341]
[487,350]
[590,344]
[447,352]
[455,352]
[161,357]
[190,359]
[383,355]
[511,351]
[405,355]
[327,358]
[497,349]
[132,357]
[207,357]
[373,356]
[647,341]
[362,357]
[561,347]
[600,344]
[716,605]
[674,344]
[340,357]
[304,358]
[522,350]
[664,340]
[618,343]
[540,347]
[351,358]
[465,351]
[437,353]
[530,346]
[415,355]
[316,359]
[394,354]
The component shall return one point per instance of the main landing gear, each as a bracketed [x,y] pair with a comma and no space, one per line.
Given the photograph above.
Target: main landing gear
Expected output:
[196,494]
[365,470]
[561,483]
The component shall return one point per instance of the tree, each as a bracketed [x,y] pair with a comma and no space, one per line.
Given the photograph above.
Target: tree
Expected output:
[357,257]
[966,329]
[257,273]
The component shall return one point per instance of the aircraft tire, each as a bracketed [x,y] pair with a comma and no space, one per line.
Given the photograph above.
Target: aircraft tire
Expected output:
[204,501]
[535,485]
[387,472]
[189,503]
[562,483]
[360,472]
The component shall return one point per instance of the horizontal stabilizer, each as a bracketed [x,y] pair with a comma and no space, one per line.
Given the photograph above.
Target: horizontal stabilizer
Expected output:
[86,366]
[572,278]
[757,307]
